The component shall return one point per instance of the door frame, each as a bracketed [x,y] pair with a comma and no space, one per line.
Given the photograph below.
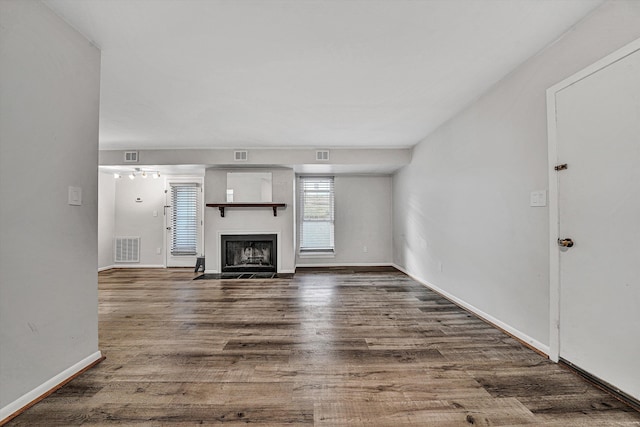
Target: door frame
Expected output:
[554,214]
[167,187]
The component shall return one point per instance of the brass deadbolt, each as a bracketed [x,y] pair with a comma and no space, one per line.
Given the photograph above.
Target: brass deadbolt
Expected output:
[565,243]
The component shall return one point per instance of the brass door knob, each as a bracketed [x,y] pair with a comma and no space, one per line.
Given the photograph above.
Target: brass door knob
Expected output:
[565,243]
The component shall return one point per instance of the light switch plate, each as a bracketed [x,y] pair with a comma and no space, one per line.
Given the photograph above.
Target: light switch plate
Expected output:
[75,196]
[539,198]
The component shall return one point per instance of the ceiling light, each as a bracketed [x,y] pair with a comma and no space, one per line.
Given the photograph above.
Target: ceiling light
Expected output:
[137,172]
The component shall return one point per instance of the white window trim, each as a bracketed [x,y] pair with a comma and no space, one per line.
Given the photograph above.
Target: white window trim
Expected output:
[168,180]
[316,254]
[173,186]
[312,253]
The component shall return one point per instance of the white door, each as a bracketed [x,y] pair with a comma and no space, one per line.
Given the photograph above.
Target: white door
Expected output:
[598,137]
[184,224]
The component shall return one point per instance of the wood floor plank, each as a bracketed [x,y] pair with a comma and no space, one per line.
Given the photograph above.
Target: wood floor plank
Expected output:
[440,413]
[328,347]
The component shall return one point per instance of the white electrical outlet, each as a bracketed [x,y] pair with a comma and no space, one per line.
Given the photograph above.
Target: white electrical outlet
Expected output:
[538,198]
[365,249]
[158,251]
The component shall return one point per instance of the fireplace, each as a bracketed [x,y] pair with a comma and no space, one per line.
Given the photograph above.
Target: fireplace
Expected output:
[248,252]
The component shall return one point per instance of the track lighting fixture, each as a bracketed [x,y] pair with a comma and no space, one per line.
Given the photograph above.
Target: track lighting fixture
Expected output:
[137,172]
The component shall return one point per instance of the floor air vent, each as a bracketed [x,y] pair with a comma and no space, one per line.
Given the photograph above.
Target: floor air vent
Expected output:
[127,249]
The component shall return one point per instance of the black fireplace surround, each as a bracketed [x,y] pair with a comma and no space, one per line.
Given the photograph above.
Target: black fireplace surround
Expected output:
[249,252]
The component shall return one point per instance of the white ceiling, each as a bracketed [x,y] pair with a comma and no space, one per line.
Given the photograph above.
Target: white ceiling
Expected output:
[302,73]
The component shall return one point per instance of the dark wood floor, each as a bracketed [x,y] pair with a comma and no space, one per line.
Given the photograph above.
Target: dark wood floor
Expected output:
[331,348]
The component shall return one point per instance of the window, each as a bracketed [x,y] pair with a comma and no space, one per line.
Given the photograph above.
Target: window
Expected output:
[316,214]
[184,218]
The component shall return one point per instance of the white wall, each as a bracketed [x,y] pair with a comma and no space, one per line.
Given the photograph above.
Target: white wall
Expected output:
[134,218]
[363,211]
[249,219]
[369,161]
[49,97]
[462,219]
[106,219]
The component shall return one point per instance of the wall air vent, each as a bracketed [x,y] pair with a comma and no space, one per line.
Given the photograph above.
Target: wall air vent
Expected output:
[127,249]
[322,155]
[241,156]
[131,157]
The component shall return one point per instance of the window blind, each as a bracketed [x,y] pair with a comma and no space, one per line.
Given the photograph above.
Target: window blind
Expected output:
[184,219]
[316,214]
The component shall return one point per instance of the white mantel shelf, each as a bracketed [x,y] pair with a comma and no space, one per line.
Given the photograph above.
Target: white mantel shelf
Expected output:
[223,206]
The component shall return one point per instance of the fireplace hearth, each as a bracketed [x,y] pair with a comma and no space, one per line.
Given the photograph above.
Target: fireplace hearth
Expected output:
[248,253]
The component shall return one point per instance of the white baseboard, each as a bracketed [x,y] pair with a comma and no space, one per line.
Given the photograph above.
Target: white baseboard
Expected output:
[347,264]
[138,266]
[48,385]
[109,267]
[481,314]
[216,271]
[287,271]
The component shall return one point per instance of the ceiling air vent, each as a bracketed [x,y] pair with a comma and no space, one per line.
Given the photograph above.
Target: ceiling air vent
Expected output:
[322,155]
[240,156]
[131,157]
